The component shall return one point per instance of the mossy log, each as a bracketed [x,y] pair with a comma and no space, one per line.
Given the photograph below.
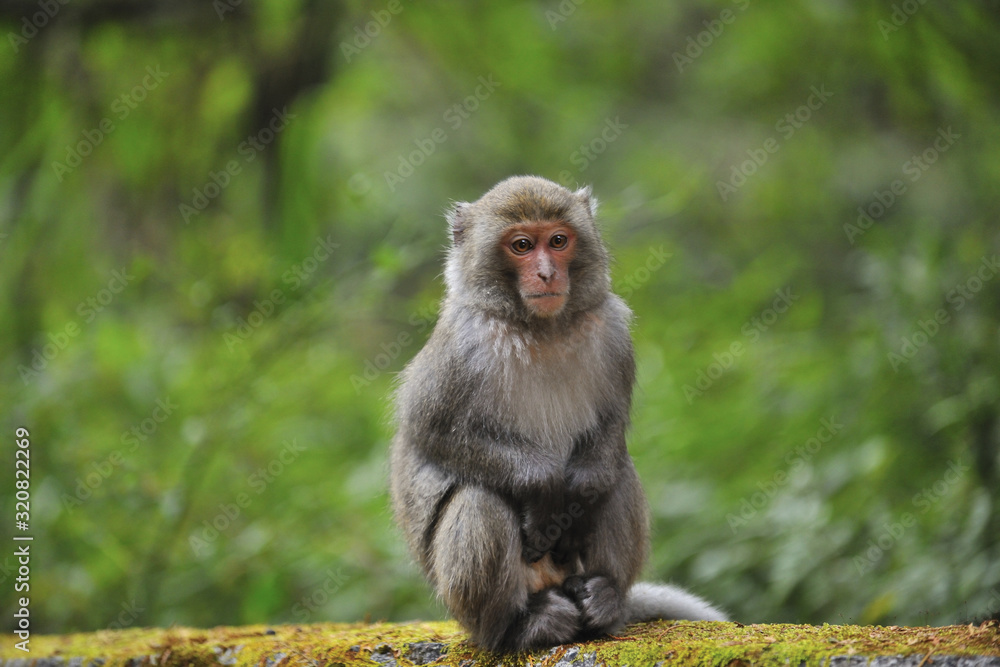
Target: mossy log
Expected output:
[663,643]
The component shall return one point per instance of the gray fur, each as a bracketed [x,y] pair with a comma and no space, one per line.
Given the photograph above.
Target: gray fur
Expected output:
[510,475]
[648,601]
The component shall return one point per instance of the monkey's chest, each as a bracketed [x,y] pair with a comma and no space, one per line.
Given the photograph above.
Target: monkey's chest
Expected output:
[551,402]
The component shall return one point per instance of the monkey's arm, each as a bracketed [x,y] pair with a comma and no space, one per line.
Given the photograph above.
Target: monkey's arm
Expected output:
[595,468]
[598,455]
[600,452]
[612,556]
[481,452]
[447,420]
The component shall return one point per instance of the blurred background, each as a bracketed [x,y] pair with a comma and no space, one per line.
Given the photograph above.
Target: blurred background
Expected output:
[221,235]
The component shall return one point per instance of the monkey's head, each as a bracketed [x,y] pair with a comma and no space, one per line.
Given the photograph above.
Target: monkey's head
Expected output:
[527,250]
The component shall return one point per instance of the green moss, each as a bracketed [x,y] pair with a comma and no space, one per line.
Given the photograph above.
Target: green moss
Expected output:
[673,643]
[723,643]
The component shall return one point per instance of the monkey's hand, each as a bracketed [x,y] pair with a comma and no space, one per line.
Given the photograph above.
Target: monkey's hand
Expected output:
[601,604]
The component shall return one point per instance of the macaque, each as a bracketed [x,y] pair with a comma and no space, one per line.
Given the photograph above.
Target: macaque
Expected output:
[510,475]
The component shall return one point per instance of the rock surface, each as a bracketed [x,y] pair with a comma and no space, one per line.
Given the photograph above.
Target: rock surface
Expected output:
[660,644]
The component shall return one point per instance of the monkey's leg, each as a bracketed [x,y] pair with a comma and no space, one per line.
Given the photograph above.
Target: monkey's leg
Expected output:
[484,580]
[614,553]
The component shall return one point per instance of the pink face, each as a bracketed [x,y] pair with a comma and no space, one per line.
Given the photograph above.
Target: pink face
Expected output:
[541,253]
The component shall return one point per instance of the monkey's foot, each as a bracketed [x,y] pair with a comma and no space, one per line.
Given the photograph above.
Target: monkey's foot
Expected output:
[551,618]
[601,605]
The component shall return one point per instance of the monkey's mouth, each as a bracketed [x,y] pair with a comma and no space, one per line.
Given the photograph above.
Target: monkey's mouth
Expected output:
[545,304]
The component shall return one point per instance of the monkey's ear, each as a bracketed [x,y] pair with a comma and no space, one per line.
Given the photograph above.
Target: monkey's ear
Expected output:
[587,199]
[458,219]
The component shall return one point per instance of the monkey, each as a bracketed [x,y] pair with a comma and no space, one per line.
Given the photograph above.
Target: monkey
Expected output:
[509,472]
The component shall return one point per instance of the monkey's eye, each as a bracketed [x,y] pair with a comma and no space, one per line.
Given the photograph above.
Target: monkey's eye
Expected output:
[559,241]
[521,246]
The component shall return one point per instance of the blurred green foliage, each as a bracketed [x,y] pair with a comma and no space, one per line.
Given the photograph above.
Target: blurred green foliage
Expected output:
[221,237]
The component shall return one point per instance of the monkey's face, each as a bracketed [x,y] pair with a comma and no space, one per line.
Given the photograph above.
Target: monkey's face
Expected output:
[527,251]
[540,254]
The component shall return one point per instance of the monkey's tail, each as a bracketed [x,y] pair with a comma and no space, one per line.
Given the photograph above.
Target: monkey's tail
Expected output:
[647,602]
